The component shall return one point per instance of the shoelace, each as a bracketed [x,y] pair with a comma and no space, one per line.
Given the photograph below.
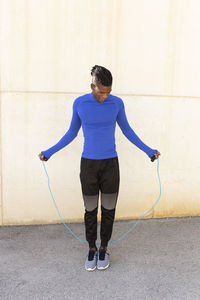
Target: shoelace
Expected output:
[91,255]
[102,254]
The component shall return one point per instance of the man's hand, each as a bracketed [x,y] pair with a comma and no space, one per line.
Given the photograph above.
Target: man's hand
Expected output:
[157,154]
[42,157]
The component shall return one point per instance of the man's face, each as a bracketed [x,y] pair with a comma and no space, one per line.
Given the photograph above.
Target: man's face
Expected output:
[100,92]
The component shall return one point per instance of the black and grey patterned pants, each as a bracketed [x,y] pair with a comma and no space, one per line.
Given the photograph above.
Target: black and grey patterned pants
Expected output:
[99,175]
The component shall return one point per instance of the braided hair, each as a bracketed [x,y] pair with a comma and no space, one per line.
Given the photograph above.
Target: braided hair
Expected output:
[101,75]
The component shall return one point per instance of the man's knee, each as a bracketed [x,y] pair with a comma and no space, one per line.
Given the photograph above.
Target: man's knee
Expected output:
[109,201]
[91,202]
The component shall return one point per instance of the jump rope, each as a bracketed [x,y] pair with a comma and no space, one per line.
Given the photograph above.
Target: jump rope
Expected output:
[125,234]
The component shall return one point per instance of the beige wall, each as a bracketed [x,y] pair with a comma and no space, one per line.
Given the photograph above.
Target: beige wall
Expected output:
[47,50]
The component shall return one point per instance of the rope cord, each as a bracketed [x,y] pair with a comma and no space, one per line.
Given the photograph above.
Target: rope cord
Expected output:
[121,237]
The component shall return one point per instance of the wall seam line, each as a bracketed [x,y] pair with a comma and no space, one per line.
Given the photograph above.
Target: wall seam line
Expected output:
[81,93]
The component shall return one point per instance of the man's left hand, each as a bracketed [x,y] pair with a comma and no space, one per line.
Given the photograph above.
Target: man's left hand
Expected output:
[157,155]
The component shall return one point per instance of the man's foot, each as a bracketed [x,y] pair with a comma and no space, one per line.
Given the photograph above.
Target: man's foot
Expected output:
[102,261]
[91,260]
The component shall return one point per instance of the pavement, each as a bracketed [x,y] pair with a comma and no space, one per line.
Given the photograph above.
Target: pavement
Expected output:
[159,259]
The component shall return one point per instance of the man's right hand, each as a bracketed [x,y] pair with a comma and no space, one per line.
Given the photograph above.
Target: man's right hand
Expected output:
[42,157]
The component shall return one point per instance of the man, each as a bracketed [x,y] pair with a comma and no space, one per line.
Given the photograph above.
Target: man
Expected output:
[97,113]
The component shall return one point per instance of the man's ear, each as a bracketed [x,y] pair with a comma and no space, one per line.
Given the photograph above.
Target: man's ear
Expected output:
[92,86]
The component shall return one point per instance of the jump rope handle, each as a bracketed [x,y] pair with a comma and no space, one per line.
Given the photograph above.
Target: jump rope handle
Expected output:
[45,158]
[153,158]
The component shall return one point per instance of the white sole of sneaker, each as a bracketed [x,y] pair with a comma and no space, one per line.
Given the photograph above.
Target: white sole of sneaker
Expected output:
[90,270]
[103,268]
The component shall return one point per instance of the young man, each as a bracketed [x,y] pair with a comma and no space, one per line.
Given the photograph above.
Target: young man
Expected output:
[97,113]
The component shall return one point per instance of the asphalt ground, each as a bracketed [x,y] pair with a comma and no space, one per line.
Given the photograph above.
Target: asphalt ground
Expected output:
[159,259]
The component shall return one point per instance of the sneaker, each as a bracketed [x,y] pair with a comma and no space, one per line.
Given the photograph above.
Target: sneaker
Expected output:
[102,261]
[91,260]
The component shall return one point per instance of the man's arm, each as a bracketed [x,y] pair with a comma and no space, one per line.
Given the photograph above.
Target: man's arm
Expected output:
[69,135]
[129,133]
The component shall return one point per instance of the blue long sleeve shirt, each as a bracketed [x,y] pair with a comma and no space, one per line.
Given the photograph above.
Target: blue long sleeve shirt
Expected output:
[98,121]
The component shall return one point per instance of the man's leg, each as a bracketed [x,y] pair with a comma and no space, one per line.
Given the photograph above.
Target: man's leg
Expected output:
[109,186]
[90,192]
[90,219]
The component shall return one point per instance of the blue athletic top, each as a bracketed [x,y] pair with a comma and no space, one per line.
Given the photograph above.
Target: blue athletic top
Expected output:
[98,121]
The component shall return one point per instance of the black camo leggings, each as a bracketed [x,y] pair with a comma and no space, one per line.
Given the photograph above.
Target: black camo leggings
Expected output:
[99,175]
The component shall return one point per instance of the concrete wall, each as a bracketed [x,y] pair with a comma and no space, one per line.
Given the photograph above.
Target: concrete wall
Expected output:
[47,51]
